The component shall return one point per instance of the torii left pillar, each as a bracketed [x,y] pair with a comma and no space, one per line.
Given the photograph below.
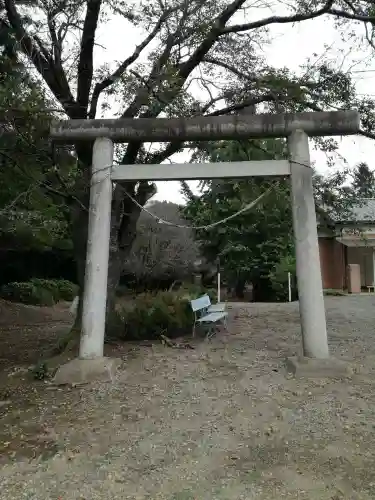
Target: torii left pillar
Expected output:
[96,273]
[91,364]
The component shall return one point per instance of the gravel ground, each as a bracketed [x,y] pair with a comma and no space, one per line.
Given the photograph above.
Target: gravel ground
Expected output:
[222,421]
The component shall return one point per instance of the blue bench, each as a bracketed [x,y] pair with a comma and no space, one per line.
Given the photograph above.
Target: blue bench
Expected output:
[208,315]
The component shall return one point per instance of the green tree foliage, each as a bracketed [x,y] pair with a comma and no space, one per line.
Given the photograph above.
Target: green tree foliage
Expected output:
[251,244]
[257,246]
[32,210]
[213,44]
[335,196]
[364,181]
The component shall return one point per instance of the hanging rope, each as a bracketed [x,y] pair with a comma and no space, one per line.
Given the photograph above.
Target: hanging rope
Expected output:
[247,207]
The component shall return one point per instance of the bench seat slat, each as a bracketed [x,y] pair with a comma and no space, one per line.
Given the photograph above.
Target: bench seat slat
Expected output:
[216,308]
[213,317]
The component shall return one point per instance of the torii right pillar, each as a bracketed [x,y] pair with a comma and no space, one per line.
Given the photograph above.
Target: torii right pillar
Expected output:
[309,279]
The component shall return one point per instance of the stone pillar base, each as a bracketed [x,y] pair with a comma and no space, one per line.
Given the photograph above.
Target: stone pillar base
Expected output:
[83,371]
[318,368]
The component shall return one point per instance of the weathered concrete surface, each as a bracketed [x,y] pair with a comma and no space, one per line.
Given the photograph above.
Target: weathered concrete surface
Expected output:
[197,171]
[310,290]
[207,128]
[96,272]
[83,371]
[318,368]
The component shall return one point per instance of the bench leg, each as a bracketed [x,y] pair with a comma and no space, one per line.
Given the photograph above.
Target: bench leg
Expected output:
[194,327]
[201,325]
[226,323]
[215,328]
[211,332]
[212,328]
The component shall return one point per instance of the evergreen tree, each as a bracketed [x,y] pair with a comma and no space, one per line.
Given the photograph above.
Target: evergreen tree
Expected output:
[364,181]
[257,246]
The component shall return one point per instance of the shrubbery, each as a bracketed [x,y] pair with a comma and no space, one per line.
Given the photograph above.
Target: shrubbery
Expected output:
[67,290]
[27,293]
[191,291]
[279,279]
[166,313]
[152,315]
[39,292]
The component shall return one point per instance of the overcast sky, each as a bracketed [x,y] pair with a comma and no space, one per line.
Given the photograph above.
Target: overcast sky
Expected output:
[291,47]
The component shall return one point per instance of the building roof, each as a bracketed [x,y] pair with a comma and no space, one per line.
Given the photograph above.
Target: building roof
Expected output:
[363,211]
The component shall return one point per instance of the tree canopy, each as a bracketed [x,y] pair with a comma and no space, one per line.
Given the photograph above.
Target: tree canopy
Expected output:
[253,246]
[196,58]
[364,181]
[32,206]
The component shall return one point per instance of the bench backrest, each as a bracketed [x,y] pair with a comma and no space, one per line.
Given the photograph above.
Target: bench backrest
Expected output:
[200,303]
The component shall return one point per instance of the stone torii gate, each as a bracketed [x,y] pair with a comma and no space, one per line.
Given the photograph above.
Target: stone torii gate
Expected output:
[295,127]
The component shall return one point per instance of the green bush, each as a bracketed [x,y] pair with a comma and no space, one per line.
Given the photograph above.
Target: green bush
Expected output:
[44,297]
[115,325]
[279,278]
[60,289]
[50,285]
[165,312]
[192,291]
[27,293]
[67,290]
[39,292]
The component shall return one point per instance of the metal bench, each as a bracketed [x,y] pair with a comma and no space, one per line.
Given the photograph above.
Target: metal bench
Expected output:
[208,315]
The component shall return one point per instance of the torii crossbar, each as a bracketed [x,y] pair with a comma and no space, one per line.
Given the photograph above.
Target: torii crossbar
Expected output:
[295,127]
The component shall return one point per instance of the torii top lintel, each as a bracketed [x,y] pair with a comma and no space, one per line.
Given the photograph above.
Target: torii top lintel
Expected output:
[207,128]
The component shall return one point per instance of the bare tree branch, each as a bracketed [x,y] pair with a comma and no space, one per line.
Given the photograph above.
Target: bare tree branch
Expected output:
[107,82]
[218,29]
[211,102]
[367,134]
[55,78]
[271,97]
[85,64]
[184,69]
[229,67]
[279,20]
[182,72]
[368,38]
[155,77]
[56,41]
[171,149]
[354,16]
[219,24]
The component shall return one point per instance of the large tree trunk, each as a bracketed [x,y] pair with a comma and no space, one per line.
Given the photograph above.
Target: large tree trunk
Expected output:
[124,218]
[79,216]
[262,290]
[239,288]
[79,233]
[80,207]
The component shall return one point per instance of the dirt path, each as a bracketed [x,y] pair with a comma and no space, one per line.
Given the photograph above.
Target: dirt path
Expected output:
[223,421]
